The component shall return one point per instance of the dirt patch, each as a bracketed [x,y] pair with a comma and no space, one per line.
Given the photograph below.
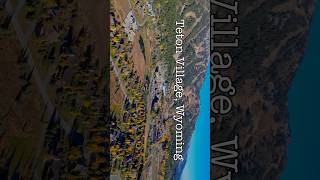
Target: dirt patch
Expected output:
[138,58]
[146,36]
[117,96]
[122,7]
[97,16]
[191,14]
[9,73]
[20,111]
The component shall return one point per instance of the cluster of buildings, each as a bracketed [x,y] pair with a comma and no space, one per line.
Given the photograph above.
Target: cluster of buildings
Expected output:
[130,25]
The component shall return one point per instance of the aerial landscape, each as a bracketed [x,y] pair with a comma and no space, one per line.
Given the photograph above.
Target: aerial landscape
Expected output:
[91,90]
[55,94]
[53,89]
[303,111]
[272,42]
[142,68]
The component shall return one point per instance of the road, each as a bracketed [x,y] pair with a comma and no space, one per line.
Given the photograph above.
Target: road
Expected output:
[41,86]
[115,69]
[23,39]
